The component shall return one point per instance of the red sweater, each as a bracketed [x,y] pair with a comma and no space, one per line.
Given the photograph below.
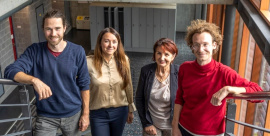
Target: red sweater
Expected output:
[196,85]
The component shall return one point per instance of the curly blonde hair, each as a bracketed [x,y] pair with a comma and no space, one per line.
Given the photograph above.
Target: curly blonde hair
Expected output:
[200,26]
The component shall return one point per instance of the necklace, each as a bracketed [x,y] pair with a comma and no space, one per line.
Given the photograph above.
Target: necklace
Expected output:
[160,77]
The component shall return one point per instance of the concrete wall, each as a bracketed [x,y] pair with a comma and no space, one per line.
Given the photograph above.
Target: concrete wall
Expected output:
[58,5]
[6,53]
[25,25]
[21,27]
[185,13]
[76,9]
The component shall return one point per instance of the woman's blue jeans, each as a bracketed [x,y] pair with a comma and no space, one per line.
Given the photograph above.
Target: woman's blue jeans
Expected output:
[108,121]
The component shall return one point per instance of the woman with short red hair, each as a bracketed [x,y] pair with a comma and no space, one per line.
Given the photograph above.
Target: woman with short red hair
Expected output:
[157,89]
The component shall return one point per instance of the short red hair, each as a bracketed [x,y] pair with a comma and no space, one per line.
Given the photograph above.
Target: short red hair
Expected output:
[166,44]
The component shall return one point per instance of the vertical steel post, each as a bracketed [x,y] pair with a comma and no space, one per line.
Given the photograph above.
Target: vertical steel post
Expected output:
[116,19]
[110,16]
[231,109]
[226,60]
[228,35]
[26,111]
[204,11]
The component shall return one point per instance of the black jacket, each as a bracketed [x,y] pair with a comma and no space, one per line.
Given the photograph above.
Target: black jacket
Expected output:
[144,89]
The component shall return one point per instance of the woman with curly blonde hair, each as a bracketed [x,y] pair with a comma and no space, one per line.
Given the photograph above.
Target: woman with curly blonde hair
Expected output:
[203,85]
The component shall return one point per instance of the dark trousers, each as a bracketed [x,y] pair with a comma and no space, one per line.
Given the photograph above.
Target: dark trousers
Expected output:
[108,121]
[183,131]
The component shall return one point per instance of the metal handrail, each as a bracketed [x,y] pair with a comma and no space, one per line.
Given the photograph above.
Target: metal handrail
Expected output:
[250,96]
[19,133]
[13,119]
[7,105]
[13,124]
[25,103]
[10,82]
[249,125]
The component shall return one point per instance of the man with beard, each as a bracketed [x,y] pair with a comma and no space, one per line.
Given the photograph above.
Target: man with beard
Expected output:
[57,69]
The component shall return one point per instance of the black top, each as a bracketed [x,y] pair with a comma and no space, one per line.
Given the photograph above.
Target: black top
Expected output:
[144,89]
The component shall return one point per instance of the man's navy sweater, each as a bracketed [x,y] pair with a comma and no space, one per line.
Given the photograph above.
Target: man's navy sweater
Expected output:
[66,75]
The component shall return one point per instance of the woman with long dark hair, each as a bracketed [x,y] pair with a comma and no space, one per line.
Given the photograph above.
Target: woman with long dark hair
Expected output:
[111,92]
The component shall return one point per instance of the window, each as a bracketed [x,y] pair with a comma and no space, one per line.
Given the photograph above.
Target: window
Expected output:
[269,7]
[264,7]
[262,111]
[256,3]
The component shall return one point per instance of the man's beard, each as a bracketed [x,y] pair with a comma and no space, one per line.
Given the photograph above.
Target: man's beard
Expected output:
[54,43]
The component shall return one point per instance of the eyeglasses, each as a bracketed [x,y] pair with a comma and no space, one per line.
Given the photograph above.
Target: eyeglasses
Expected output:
[197,46]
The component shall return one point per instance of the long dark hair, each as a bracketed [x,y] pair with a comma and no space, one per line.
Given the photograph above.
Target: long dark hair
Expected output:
[119,55]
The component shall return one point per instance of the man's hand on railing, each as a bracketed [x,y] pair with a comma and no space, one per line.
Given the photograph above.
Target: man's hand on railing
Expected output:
[41,88]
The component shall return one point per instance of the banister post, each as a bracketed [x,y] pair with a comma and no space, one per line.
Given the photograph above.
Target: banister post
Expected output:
[26,111]
[231,109]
